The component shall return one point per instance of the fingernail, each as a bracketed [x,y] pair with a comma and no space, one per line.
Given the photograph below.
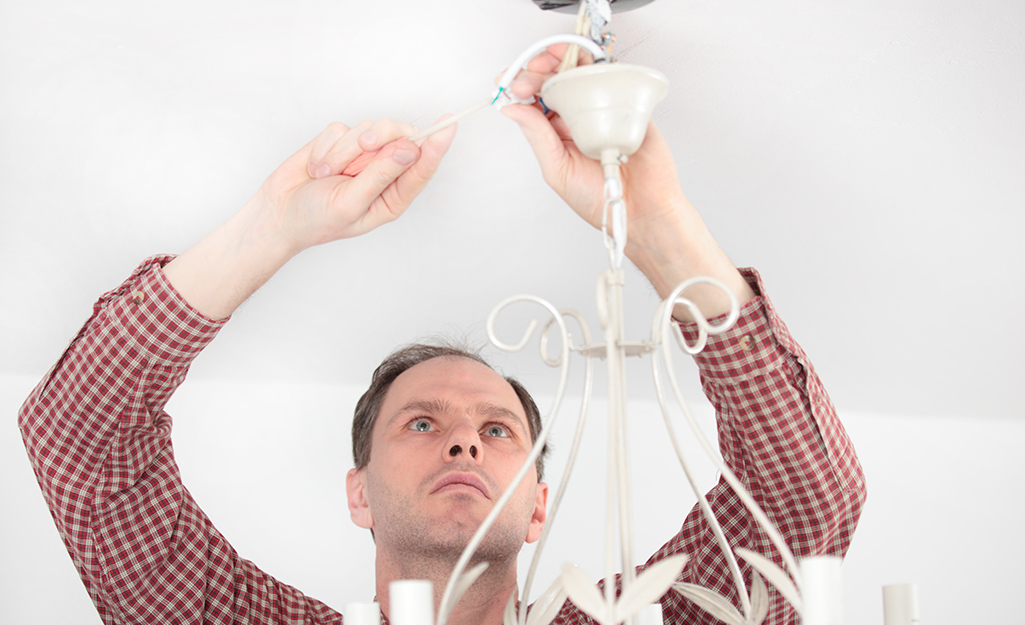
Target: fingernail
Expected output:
[323,171]
[368,138]
[404,157]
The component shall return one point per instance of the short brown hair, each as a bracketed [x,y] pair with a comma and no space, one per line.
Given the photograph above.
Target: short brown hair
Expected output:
[369,405]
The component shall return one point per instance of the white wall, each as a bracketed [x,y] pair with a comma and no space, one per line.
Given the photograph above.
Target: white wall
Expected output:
[267,462]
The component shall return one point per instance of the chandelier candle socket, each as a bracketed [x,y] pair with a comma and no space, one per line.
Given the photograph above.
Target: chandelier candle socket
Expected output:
[900,604]
[411,602]
[823,591]
[361,614]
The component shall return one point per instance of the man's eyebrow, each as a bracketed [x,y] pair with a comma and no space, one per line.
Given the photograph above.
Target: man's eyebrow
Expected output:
[428,406]
[495,411]
[440,406]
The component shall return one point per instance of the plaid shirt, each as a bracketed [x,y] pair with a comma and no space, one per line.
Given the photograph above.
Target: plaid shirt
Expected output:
[99,442]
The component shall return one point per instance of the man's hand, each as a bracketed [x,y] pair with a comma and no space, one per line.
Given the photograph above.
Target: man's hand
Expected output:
[309,200]
[649,176]
[667,239]
[317,197]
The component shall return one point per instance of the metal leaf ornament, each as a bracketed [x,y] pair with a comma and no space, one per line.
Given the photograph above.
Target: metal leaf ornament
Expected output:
[509,616]
[711,602]
[583,593]
[759,600]
[647,588]
[774,575]
[547,606]
[465,581]
[721,608]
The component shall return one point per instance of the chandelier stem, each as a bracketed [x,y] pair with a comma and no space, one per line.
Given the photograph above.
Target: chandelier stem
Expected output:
[619,482]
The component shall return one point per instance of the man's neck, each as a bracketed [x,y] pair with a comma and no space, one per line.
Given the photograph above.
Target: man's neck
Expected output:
[482,604]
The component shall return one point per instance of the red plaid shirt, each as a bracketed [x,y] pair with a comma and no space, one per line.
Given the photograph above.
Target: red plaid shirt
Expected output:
[99,441]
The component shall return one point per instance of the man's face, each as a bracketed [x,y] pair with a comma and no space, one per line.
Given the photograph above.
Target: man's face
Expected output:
[449,438]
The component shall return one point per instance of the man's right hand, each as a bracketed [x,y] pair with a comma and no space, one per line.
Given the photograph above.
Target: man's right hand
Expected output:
[315,202]
[308,201]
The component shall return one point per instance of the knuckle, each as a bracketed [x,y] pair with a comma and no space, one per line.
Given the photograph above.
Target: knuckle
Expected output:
[336,128]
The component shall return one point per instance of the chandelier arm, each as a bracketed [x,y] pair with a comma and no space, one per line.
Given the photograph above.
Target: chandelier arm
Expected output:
[546,332]
[448,599]
[570,463]
[610,523]
[706,509]
[727,473]
[705,328]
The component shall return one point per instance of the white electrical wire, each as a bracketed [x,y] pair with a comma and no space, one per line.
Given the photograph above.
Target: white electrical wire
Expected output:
[510,75]
[524,58]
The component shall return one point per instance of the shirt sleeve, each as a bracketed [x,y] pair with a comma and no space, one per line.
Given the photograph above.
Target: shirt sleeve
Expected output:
[99,442]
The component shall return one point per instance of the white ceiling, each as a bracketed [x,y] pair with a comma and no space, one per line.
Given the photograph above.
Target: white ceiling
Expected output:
[867,156]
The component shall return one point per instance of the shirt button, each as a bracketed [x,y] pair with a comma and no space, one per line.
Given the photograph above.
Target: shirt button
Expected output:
[747,343]
[138,297]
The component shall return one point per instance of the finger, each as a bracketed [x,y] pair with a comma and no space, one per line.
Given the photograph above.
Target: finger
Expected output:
[541,68]
[359,163]
[544,63]
[390,162]
[356,149]
[371,138]
[544,140]
[527,84]
[325,142]
[401,194]
[384,131]
[548,61]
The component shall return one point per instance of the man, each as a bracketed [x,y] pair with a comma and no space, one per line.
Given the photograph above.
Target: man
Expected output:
[441,438]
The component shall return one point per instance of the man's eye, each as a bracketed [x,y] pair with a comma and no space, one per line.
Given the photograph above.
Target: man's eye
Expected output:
[496,431]
[421,425]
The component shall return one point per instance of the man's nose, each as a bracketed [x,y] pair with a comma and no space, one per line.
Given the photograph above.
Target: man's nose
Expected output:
[455,450]
[464,441]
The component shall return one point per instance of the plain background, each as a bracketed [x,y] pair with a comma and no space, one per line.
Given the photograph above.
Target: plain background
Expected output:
[867,157]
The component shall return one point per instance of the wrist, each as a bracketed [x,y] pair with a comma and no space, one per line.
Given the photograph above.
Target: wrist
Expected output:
[223,269]
[676,247]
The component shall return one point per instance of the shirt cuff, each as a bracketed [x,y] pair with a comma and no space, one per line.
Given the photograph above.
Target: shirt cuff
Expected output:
[156,317]
[757,343]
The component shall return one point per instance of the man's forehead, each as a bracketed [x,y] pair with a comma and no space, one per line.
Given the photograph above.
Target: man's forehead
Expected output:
[438,384]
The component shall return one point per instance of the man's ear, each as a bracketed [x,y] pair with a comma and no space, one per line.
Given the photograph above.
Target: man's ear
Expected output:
[359,507]
[537,521]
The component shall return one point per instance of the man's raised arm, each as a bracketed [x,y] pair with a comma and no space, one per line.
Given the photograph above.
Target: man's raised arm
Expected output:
[668,240]
[95,428]
[307,202]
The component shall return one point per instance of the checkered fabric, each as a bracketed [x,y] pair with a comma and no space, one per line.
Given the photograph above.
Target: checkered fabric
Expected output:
[99,441]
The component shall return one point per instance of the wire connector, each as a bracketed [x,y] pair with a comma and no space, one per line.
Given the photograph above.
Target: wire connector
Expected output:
[504,97]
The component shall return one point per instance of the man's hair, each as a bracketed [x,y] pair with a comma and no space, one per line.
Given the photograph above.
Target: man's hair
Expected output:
[369,405]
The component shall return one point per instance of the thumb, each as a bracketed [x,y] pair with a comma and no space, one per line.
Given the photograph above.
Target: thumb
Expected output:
[548,146]
[385,166]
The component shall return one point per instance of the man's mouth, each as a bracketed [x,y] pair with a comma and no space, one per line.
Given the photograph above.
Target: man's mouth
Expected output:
[460,481]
